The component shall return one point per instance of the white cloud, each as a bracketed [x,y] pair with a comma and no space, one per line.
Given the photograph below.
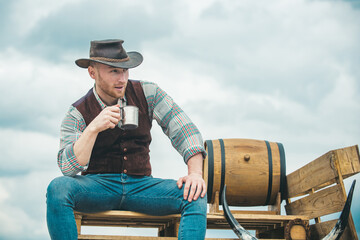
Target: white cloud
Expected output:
[35,93]
[24,152]
[23,211]
[27,13]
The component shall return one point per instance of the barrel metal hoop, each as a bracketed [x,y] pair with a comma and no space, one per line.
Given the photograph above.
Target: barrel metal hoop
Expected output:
[222,147]
[270,173]
[210,151]
[282,171]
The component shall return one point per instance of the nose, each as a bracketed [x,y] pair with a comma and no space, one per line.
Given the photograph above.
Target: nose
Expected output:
[122,76]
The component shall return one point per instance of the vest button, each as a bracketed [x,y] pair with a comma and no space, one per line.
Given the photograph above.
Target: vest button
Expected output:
[125,171]
[125,158]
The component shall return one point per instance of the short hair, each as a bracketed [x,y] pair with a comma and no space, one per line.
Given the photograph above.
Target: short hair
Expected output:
[93,64]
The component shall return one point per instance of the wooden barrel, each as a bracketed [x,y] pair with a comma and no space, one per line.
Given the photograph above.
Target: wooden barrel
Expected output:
[254,171]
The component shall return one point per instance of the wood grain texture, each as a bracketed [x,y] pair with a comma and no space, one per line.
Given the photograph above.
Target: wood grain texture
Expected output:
[322,171]
[327,201]
[246,171]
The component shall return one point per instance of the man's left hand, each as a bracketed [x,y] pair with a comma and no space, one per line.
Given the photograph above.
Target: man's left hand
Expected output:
[194,186]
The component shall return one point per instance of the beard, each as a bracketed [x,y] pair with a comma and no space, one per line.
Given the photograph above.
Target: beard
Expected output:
[108,91]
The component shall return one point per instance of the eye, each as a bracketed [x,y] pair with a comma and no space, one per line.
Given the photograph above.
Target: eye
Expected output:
[119,70]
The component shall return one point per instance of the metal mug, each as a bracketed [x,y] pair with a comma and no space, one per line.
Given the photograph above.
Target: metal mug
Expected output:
[129,117]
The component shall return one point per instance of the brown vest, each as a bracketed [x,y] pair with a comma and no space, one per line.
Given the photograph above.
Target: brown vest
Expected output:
[116,150]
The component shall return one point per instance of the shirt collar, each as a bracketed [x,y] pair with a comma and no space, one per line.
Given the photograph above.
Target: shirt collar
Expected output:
[121,101]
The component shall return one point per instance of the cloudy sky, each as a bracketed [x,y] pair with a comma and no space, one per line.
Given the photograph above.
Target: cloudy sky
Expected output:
[282,70]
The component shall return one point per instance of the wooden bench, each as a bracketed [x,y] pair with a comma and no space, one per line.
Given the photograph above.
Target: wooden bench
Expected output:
[303,194]
[319,190]
[269,224]
[168,225]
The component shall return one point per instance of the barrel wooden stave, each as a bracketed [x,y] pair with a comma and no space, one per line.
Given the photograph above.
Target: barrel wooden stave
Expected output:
[247,180]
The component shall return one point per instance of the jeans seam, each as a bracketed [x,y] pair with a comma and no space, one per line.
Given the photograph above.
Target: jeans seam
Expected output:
[91,192]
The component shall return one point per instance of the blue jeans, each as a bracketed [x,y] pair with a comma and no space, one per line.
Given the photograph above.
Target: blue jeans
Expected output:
[102,192]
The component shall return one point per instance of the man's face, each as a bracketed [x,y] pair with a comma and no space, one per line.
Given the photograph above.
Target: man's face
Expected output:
[110,82]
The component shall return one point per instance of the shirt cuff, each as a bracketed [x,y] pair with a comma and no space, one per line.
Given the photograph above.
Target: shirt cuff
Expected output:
[72,165]
[193,150]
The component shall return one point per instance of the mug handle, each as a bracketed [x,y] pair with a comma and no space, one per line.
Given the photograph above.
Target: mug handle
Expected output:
[122,115]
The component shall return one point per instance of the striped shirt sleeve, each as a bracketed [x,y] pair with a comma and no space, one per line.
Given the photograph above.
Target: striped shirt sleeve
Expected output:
[182,132]
[71,128]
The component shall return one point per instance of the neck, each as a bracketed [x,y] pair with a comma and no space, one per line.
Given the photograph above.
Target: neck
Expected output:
[107,100]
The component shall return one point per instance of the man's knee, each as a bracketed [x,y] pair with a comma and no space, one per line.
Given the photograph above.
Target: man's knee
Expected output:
[58,189]
[202,203]
[199,205]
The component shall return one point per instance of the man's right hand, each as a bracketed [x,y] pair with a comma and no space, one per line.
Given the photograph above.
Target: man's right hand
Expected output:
[109,117]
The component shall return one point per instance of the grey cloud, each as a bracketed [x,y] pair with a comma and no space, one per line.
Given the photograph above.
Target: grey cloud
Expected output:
[6,30]
[36,99]
[24,210]
[25,151]
[353,3]
[267,50]
[71,28]
[55,42]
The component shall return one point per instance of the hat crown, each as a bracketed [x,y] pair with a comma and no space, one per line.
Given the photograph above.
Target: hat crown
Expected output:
[111,49]
[110,52]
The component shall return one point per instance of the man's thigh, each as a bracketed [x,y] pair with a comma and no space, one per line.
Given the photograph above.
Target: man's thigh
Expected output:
[89,193]
[153,196]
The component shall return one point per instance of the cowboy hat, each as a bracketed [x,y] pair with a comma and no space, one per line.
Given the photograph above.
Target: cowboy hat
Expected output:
[111,52]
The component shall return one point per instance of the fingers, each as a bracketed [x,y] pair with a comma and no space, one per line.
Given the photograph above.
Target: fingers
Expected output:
[193,188]
[109,117]
[114,111]
[197,190]
[112,116]
[186,191]
[204,189]
[113,121]
[179,183]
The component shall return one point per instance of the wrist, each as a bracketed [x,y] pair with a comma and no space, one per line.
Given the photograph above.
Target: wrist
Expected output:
[195,165]
[195,173]
[92,129]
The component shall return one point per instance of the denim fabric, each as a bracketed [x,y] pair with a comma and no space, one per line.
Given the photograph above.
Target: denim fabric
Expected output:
[101,192]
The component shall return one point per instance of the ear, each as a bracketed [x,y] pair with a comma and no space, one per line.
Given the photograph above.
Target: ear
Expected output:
[92,72]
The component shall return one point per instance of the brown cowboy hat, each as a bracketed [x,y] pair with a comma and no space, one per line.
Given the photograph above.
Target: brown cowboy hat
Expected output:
[111,52]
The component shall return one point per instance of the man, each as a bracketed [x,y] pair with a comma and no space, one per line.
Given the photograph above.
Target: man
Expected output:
[114,163]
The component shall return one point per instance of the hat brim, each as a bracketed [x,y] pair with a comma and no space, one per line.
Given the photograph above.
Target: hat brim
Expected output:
[135,59]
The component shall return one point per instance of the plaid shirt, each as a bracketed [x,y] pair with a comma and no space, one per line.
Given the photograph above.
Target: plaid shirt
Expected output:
[183,134]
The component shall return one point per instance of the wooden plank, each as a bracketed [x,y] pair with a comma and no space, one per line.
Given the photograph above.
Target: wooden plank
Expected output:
[302,180]
[78,222]
[320,230]
[349,161]
[327,201]
[276,208]
[214,221]
[139,224]
[112,215]
[258,217]
[270,212]
[125,214]
[107,237]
